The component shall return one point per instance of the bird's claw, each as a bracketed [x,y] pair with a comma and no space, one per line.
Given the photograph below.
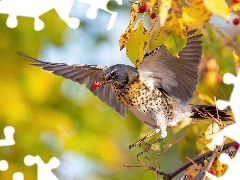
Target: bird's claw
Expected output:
[150,146]
[137,143]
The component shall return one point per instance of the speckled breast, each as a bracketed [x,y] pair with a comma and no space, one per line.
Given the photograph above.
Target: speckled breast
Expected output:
[145,99]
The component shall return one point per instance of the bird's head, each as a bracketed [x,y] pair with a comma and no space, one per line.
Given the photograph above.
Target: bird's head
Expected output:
[119,75]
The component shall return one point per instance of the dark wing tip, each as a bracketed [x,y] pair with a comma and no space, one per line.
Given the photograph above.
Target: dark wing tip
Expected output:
[36,62]
[29,58]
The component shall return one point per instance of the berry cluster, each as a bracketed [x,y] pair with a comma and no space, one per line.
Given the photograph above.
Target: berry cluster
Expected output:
[143,8]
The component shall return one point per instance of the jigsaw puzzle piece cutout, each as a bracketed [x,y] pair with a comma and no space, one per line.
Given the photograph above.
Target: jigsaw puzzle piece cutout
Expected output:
[8,132]
[63,8]
[18,176]
[26,8]
[36,8]
[233,166]
[3,165]
[44,170]
[100,4]
[235,97]
[231,130]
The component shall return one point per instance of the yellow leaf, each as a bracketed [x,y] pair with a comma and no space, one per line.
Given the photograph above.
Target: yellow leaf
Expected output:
[209,134]
[219,167]
[196,15]
[152,3]
[170,16]
[211,130]
[158,38]
[174,13]
[236,7]
[206,98]
[163,9]
[175,44]
[137,44]
[134,17]
[201,144]
[218,7]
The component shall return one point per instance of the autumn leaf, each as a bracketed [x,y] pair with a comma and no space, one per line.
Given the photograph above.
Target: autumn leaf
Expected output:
[196,14]
[201,144]
[218,7]
[175,44]
[158,38]
[206,98]
[174,19]
[152,3]
[236,7]
[137,44]
[218,166]
[134,17]
[163,8]
[209,134]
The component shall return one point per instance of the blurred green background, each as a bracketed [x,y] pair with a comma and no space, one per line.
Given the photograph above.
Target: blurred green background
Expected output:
[56,117]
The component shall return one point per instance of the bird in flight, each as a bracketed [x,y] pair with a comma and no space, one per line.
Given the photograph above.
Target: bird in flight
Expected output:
[157,92]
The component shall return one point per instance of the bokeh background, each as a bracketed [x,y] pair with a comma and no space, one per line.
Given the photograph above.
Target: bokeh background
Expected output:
[54,117]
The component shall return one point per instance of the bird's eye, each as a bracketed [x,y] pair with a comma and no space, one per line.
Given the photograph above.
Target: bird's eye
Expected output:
[113,74]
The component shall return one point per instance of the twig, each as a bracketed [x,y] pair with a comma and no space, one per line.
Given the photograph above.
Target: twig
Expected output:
[216,120]
[216,108]
[214,154]
[189,163]
[169,176]
[207,115]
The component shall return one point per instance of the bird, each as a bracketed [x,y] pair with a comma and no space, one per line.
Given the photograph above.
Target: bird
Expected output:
[157,92]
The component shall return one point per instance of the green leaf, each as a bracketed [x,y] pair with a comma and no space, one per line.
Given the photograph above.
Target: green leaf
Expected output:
[137,44]
[175,44]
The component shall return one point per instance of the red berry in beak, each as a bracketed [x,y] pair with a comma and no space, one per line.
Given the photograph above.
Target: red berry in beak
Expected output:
[95,84]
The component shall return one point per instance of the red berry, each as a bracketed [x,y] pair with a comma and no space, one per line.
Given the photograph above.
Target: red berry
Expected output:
[235,1]
[141,9]
[236,145]
[236,21]
[190,176]
[219,78]
[213,171]
[153,15]
[146,4]
[95,84]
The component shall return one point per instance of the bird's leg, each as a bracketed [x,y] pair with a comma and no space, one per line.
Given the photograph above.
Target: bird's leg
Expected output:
[150,146]
[143,139]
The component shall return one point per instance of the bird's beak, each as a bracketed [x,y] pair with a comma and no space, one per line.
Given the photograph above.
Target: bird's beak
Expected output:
[104,81]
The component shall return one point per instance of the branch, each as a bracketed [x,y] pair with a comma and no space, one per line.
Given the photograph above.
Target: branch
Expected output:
[196,159]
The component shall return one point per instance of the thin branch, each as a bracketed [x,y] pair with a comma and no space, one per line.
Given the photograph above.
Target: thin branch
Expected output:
[216,107]
[189,163]
[214,154]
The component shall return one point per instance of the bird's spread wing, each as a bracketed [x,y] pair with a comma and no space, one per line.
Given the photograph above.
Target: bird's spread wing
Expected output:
[84,74]
[177,76]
